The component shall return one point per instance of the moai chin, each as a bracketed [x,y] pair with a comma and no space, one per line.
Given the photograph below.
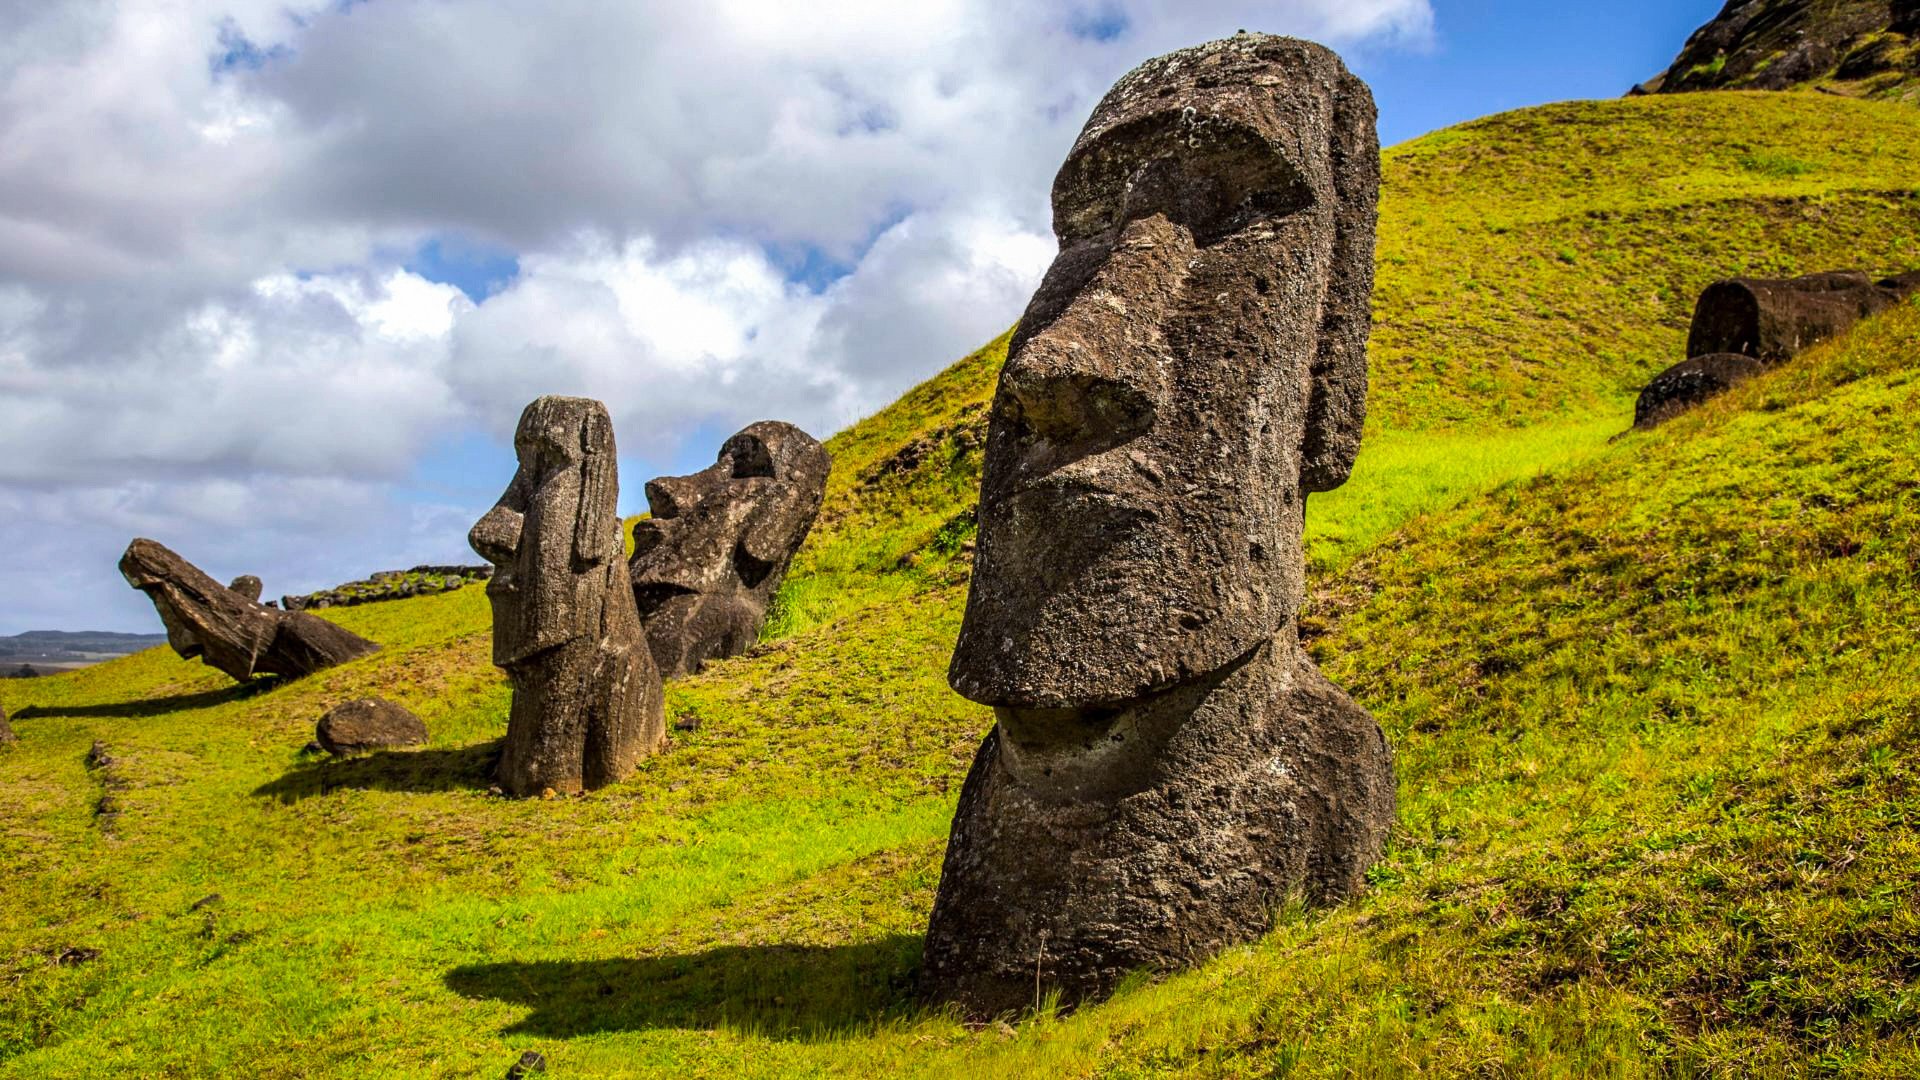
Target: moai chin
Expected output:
[1168,766]
[587,704]
[707,562]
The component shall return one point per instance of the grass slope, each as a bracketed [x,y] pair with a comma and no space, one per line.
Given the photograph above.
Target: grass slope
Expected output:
[1654,703]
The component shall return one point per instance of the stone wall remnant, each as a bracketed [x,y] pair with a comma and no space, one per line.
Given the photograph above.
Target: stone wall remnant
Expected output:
[708,560]
[1168,765]
[226,630]
[587,702]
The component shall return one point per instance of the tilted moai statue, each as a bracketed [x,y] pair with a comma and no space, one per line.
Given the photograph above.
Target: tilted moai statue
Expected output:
[231,631]
[586,697]
[1168,766]
[707,562]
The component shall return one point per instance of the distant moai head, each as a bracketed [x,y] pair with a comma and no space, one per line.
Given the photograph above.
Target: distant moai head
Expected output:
[554,531]
[1193,364]
[707,561]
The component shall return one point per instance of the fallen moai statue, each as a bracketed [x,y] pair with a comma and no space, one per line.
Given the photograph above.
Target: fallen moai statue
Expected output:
[1691,382]
[707,562]
[587,703]
[225,630]
[1774,319]
[1169,766]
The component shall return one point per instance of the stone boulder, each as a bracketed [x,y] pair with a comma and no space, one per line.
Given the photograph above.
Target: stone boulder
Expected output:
[248,586]
[1774,319]
[368,723]
[707,562]
[1168,767]
[587,701]
[226,630]
[1691,382]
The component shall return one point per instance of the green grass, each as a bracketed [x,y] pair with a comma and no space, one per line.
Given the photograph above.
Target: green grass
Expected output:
[1656,705]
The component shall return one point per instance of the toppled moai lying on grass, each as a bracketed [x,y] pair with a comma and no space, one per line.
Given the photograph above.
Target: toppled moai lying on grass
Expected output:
[708,560]
[587,702]
[226,630]
[1169,766]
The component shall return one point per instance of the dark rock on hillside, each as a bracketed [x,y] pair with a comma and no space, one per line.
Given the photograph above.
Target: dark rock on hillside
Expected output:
[1866,46]
[1774,319]
[369,723]
[247,586]
[1904,285]
[707,562]
[1168,766]
[1691,382]
[228,631]
[587,702]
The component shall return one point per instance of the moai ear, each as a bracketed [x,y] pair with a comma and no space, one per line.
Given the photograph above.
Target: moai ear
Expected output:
[1337,402]
[596,534]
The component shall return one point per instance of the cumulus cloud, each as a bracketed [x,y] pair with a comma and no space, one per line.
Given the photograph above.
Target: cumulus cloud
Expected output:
[209,331]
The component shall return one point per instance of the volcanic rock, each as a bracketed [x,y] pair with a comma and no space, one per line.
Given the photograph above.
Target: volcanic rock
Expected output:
[1691,382]
[368,723]
[1774,319]
[247,586]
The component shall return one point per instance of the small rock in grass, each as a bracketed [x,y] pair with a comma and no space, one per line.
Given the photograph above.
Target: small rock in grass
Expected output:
[76,955]
[205,902]
[530,1062]
[368,724]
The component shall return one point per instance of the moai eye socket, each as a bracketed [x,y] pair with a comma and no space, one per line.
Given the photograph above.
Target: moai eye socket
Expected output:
[1211,175]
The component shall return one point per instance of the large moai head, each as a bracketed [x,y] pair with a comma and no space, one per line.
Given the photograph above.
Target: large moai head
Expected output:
[554,531]
[1775,319]
[707,562]
[1193,364]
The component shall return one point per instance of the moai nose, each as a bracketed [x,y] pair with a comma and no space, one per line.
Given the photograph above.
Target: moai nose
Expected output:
[1066,394]
[671,496]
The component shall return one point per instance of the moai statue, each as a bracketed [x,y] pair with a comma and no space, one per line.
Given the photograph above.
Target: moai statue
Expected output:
[231,631]
[586,697]
[707,562]
[1168,765]
[1774,319]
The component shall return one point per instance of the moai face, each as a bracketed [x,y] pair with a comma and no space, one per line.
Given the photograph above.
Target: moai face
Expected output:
[1192,365]
[204,620]
[554,530]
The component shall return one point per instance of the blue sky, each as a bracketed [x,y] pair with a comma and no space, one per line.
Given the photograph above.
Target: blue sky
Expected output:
[288,330]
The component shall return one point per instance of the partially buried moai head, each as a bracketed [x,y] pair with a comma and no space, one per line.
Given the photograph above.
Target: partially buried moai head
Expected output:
[706,563]
[554,537]
[1193,364]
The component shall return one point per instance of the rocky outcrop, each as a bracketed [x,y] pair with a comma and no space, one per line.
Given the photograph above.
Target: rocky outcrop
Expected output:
[391,585]
[1167,765]
[715,548]
[587,703]
[225,630]
[366,724]
[1868,47]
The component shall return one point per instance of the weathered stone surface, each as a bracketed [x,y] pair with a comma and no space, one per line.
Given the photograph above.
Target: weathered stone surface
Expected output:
[1691,382]
[707,562]
[587,703]
[1774,319]
[1168,766]
[1783,44]
[247,586]
[368,723]
[228,631]
[1902,286]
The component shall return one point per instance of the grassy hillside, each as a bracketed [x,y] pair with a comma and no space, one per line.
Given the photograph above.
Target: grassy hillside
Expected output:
[1654,702]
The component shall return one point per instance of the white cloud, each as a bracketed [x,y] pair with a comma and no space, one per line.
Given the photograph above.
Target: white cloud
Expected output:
[206,333]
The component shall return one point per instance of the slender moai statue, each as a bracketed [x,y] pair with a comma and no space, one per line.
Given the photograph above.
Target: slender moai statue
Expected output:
[587,704]
[707,562]
[1168,766]
[233,631]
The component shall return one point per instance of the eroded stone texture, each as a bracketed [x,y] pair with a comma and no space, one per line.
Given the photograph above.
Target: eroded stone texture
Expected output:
[1775,319]
[1168,766]
[707,562]
[368,723]
[247,586]
[226,630]
[587,703]
[1691,382]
